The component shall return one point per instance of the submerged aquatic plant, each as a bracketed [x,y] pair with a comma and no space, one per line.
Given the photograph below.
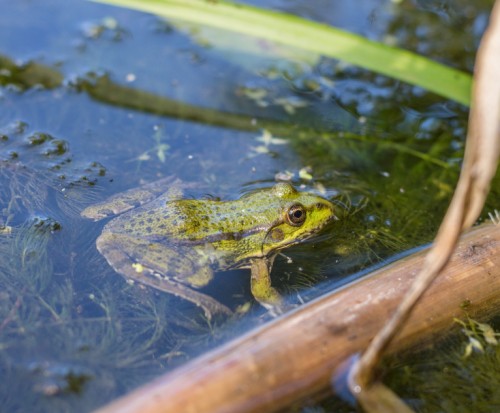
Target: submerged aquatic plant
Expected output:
[454,376]
[57,342]
[64,331]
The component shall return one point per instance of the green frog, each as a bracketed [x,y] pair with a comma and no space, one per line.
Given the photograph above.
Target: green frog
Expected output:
[176,245]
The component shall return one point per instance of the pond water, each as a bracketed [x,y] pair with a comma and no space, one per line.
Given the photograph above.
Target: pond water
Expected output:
[97,100]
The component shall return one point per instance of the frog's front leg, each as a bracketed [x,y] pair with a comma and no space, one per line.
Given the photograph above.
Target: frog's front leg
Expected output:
[148,263]
[261,287]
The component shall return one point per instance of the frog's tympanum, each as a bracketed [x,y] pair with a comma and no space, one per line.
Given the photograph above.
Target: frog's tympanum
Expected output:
[175,245]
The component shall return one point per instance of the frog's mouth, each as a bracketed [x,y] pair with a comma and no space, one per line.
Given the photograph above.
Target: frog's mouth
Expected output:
[272,243]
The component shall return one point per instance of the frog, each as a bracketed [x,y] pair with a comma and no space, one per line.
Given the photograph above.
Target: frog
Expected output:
[175,244]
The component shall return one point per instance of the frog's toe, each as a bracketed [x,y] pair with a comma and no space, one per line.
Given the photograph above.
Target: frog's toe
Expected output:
[277,309]
[214,309]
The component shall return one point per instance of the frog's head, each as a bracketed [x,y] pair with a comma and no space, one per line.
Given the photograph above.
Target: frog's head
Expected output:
[301,215]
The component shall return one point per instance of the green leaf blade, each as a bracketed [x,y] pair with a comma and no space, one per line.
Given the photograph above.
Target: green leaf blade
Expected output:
[315,37]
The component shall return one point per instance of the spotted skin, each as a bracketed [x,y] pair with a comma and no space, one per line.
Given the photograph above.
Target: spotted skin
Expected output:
[176,245]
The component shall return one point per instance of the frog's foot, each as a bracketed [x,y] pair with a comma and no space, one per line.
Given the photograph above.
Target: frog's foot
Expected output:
[120,252]
[261,287]
[165,188]
[149,277]
[278,307]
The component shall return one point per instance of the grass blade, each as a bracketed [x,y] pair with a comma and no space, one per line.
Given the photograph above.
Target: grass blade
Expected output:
[315,37]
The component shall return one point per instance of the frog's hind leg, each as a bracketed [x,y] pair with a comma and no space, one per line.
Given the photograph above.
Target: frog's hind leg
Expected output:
[120,252]
[166,188]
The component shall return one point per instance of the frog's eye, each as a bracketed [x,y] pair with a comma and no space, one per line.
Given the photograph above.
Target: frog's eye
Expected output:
[296,215]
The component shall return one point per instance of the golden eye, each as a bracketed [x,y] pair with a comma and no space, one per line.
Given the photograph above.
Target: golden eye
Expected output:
[296,215]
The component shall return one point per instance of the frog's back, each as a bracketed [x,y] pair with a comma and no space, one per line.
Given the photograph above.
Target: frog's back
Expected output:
[153,220]
[182,220]
[204,220]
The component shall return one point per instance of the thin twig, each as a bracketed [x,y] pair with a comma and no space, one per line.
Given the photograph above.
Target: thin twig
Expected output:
[480,163]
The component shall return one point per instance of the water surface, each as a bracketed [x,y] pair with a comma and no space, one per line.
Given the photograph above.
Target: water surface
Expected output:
[96,100]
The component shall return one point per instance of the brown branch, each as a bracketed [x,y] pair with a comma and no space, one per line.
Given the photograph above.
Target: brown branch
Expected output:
[293,357]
